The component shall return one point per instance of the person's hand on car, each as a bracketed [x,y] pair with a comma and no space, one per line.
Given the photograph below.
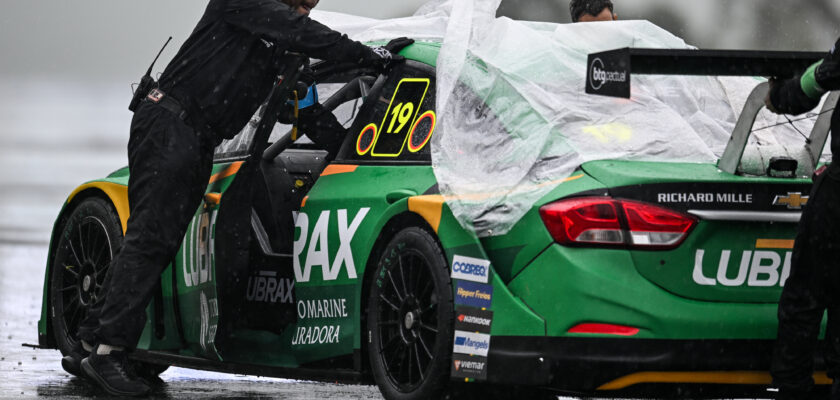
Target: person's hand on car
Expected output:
[389,54]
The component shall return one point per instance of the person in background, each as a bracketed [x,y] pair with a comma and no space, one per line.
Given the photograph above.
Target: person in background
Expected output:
[592,10]
[814,284]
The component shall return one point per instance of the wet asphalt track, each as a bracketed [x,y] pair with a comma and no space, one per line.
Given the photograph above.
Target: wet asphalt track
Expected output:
[26,372]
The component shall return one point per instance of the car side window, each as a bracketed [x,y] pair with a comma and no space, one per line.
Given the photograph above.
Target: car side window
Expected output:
[396,122]
[346,114]
[238,146]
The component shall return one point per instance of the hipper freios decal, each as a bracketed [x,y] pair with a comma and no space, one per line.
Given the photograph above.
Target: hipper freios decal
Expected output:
[473,294]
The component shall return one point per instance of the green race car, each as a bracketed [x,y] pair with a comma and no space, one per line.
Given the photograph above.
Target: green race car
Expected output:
[628,277]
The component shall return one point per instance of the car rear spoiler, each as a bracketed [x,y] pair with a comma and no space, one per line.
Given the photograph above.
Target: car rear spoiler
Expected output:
[610,73]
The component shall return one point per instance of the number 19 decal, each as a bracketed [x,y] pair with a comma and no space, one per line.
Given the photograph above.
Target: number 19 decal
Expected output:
[393,132]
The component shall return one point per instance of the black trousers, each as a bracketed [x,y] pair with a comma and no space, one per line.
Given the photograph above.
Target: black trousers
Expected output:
[170,166]
[813,288]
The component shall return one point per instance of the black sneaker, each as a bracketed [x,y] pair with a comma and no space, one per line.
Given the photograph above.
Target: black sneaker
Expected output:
[146,372]
[109,370]
[72,362]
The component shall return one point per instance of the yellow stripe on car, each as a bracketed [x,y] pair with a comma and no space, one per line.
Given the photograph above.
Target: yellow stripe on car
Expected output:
[116,192]
[707,377]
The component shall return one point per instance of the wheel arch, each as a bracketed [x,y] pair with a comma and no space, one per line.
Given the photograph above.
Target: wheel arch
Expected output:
[117,196]
[397,223]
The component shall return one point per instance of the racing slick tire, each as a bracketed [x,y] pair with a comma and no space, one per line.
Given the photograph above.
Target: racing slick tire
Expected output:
[410,318]
[88,241]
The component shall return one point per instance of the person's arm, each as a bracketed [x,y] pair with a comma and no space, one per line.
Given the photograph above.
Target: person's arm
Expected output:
[323,128]
[277,22]
[798,95]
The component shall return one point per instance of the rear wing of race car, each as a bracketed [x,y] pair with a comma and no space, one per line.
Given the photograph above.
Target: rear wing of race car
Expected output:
[610,74]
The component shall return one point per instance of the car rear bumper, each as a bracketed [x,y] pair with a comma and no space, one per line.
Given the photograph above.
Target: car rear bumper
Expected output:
[609,366]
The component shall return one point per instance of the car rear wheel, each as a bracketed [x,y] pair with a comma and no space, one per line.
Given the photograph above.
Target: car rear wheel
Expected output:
[410,318]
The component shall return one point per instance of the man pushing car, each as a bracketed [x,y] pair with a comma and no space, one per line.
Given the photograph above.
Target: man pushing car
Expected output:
[207,93]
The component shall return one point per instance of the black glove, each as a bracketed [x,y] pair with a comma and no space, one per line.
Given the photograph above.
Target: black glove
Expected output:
[388,54]
[787,97]
[396,45]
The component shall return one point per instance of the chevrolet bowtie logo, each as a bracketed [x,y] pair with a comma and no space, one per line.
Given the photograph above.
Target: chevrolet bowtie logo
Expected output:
[793,201]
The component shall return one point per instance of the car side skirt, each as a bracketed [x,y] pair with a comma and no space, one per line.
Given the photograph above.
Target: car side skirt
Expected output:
[322,375]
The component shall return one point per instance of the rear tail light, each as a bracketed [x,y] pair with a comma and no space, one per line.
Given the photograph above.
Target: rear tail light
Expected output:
[610,222]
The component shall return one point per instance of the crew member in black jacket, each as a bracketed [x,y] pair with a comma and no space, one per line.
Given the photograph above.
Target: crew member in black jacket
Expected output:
[814,283]
[207,93]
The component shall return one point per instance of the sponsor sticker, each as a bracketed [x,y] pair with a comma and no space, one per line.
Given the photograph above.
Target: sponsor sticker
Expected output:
[470,269]
[471,343]
[793,201]
[473,294]
[471,367]
[332,310]
[312,249]
[608,74]
[471,319]
[266,287]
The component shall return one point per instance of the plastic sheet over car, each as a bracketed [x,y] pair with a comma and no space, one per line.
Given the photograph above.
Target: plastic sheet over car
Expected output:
[513,119]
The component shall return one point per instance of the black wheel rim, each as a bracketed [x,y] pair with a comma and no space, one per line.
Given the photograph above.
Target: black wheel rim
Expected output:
[408,320]
[83,257]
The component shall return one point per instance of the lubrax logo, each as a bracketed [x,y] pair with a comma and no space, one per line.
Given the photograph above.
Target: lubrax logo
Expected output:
[265,287]
[600,76]
[471,343]
[759,268]
[314,244]
[470,269]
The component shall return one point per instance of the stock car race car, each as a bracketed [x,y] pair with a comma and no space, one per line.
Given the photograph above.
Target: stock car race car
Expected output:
[627,275]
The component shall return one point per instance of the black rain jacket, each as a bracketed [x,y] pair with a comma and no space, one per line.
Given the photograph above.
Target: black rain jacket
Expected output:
[226,68]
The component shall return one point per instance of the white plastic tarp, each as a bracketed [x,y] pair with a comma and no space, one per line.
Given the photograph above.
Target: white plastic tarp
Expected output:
[513,118]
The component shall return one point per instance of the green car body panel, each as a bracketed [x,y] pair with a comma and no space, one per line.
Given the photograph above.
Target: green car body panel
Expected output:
[540,289]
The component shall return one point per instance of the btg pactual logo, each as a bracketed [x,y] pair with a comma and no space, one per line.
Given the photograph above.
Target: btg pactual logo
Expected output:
[599,76]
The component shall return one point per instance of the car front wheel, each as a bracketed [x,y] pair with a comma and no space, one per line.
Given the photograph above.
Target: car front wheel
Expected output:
[86,244]
[410,318]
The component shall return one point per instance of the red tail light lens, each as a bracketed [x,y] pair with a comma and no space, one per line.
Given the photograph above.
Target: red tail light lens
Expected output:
[655,226]
[586,220]
[605,221]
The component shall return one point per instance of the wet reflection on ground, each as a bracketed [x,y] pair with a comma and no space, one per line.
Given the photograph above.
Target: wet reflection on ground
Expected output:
[26,372]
